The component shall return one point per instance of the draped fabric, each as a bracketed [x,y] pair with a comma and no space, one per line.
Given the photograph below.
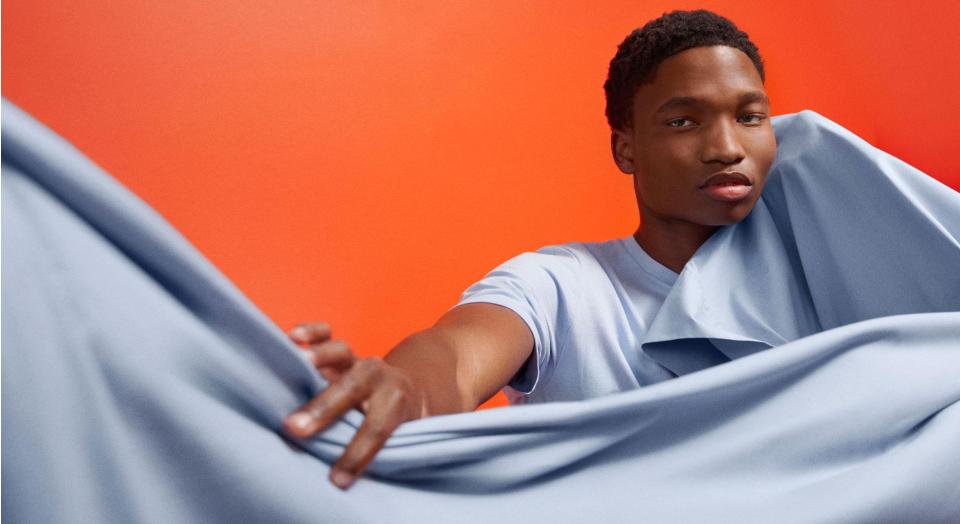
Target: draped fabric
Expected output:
[139,385]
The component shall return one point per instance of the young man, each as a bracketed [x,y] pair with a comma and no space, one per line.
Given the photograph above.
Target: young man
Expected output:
[689,121]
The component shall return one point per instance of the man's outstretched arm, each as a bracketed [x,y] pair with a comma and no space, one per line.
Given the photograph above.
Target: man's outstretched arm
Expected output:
[464,359]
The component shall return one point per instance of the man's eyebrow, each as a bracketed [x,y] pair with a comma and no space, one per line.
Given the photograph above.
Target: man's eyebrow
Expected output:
[754,96]
[679,101]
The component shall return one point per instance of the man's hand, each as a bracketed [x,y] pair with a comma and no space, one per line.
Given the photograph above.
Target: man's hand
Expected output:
[385,394]
[452,367]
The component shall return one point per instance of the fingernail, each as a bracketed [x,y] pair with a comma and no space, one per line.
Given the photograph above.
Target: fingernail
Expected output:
[299,333]
[300,421]
[342,479]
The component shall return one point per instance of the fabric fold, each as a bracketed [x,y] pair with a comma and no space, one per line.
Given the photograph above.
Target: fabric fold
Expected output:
[140,385]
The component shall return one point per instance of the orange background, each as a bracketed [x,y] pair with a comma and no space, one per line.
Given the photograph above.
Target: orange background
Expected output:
[364,162]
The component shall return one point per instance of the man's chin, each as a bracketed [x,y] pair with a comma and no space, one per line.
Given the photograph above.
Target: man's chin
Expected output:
[732,216]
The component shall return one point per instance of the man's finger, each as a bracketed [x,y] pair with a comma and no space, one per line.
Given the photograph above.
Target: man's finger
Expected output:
[354,387]
[310,333]
[335,354]
[386,413]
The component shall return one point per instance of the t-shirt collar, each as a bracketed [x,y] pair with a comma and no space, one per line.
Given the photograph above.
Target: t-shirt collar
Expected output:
[657,270]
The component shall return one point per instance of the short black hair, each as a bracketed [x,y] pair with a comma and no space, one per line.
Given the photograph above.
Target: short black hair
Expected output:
[645,48]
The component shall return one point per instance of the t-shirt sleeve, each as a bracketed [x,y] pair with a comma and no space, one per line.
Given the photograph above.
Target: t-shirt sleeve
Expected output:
[541,288]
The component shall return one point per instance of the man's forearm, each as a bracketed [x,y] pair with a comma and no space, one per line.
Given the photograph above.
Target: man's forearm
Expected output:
[432,365]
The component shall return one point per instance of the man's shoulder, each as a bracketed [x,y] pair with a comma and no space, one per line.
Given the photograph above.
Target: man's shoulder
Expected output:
[578,252]
[573,258]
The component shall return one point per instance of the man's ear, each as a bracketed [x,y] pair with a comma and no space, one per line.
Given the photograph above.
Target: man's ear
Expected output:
[621,145]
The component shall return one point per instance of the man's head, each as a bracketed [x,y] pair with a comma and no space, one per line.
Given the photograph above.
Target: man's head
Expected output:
[685,100]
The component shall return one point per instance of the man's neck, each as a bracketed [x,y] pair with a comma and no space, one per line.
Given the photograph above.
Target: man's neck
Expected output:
[672,243]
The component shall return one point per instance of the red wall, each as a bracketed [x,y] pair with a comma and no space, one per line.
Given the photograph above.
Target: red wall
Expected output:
[363,163]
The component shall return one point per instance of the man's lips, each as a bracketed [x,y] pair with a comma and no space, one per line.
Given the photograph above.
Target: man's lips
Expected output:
[727,178]
[728,186]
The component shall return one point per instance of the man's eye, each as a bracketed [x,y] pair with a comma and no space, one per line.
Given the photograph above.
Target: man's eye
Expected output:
[753,118]
[679,122]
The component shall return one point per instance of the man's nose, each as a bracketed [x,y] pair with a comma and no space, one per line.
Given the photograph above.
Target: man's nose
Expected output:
[722,143]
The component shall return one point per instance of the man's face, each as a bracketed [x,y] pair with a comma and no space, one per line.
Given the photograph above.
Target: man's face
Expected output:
[705,112]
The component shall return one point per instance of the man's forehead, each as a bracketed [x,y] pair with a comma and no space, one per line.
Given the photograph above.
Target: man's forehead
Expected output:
[740,98]
[710,72]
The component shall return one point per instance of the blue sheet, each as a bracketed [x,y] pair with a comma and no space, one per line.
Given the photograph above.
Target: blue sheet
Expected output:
[140,385]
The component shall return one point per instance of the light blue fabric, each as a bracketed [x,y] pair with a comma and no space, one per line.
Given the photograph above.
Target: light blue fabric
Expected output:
[589,306]
[139,385]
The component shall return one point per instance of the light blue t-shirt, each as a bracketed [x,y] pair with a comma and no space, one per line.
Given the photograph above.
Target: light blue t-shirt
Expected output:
[588,306]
